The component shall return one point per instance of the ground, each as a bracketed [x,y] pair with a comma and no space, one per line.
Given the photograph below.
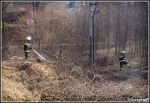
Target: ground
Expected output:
[37,80]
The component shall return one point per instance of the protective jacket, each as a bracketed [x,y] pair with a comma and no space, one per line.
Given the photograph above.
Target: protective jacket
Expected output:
[27,46]
[122,57]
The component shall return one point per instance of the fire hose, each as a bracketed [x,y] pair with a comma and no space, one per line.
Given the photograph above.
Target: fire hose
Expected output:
[39,54]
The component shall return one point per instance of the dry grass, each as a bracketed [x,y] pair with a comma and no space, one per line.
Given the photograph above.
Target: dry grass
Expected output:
[52,82]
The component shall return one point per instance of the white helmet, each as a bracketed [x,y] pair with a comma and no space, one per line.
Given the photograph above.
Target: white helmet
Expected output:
[28,38]
[123,51]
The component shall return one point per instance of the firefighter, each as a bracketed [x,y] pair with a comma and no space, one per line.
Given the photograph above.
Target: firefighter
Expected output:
[122,60]
[27,47]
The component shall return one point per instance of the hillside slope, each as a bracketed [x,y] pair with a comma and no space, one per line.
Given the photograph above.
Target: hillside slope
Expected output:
[28,80]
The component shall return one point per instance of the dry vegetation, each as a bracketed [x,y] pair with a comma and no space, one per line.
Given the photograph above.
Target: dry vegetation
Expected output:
[28,80]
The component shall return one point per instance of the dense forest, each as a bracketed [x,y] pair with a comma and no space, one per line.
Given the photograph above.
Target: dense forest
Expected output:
[61,31]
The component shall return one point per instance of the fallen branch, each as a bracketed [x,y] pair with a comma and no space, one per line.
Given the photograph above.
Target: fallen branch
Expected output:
[145,67]
[57,97]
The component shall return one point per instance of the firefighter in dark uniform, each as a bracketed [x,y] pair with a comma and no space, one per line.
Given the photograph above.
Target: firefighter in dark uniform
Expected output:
[122,60]
[27,47]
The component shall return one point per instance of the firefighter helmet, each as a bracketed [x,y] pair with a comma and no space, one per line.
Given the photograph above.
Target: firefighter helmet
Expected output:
[123,51]
[28,38]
